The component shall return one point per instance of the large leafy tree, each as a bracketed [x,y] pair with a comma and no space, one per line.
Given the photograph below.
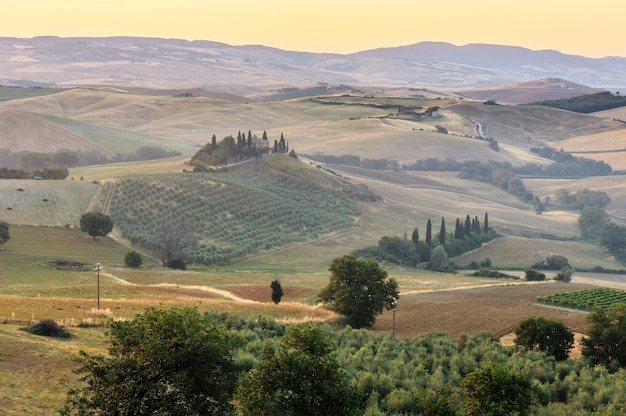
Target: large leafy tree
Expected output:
[96,224]
[591,222]
[614,239]
[359,290]
[299,378]
[163,362]
[4,233]
[606,340]
[545,335]
[495,390]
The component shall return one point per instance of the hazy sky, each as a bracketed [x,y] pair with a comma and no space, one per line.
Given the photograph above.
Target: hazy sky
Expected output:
[592,28]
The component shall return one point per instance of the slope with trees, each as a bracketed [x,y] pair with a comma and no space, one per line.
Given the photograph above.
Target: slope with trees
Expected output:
[270,203]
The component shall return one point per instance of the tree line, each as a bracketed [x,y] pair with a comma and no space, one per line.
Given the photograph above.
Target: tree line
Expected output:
[66,158]
[434,249]
[46,173]
[586,104]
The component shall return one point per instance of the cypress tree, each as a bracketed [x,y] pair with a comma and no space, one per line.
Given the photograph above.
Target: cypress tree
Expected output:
[213,142]
[277,291]
[429,233]
[458,230]
[264,135]
[442,231]
[486,223]
[415,237]
[468,225]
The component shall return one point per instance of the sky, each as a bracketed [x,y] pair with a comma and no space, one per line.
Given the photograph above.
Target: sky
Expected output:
[579,27]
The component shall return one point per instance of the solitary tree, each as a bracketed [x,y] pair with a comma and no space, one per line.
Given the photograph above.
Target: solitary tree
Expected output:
[359,290]
[299,378]
[545,335]
[163,362]
[96,224]
[4,233]
[277,291]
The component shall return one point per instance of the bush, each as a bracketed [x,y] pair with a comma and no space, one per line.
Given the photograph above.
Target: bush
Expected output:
[565,275]
[133,259]
[439,260]
[47,328]
[554,262]
[535,276]
[177,264]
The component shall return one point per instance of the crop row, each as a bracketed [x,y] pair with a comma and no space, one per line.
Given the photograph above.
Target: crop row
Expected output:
[586,299]
[232,213]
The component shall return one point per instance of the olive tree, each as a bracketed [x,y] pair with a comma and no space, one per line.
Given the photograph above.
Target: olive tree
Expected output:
[163,362]
[298,378]
[96,224]
[359,290]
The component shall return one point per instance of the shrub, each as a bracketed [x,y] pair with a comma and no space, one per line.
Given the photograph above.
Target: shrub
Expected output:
[534,276]
[47,328]
[177,264]
[133,259]
[565,275]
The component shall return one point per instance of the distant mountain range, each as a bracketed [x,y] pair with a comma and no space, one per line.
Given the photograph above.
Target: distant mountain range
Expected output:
[256,70]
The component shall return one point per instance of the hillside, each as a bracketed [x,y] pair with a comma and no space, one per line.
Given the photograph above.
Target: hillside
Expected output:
[23,131]
[530,126]
[528,92]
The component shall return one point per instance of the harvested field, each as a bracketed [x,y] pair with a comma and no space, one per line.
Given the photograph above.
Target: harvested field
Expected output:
[495,309]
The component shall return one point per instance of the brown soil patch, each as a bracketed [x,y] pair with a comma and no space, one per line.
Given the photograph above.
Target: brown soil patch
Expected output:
[492,309]
[262,293]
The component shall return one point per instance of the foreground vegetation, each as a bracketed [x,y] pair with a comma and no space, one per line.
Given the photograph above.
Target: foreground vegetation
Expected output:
[373,374]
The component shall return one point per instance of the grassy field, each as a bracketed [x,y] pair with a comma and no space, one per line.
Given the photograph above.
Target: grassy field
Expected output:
[46,203]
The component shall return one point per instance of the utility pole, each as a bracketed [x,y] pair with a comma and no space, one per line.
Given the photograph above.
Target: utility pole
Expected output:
[393,327]
[98,268]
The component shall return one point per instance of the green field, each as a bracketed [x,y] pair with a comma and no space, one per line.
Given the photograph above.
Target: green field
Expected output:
[587,299]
